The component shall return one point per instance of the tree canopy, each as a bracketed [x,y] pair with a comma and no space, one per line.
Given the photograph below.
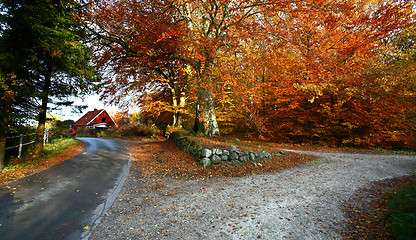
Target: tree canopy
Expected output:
[43,49]
[338,72]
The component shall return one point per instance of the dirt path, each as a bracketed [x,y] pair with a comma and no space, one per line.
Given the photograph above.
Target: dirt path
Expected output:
[299,203]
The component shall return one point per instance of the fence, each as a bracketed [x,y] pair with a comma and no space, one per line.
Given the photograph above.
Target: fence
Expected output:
[22,144]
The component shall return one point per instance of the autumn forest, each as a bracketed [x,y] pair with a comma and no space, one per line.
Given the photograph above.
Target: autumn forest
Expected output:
[336,72]
[316,70]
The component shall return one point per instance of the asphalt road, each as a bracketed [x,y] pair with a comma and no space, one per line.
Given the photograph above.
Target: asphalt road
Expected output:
[66,201]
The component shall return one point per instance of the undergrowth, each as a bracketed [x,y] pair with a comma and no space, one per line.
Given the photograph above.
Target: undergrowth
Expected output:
[401,217]
[395,151]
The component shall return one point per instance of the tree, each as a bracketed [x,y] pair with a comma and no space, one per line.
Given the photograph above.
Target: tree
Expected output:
[46,38]
[317,83]
[214,27]
[145,40]
[290,68]
[307,77]
[136,43]
[5,106]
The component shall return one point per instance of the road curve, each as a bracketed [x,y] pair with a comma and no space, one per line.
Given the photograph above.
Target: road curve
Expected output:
[66,201]
[304,202]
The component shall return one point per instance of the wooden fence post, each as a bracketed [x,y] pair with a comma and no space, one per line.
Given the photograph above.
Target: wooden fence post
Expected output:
[20,145]
[46,136]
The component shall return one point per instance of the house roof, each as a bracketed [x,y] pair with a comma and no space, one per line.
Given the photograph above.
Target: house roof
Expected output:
[88,117]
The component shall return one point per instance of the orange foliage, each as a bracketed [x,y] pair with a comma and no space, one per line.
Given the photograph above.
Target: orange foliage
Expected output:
[322,76]
[136,48]
[313,70]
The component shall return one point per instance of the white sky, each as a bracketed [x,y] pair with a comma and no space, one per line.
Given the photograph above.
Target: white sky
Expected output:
[92,102]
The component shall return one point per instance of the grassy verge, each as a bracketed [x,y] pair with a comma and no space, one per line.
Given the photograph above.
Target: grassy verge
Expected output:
[51,149]
[409,152]
[401,216]
[55,152]
[58,145]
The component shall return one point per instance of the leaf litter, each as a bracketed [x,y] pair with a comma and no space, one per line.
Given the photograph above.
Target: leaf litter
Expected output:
[33,168]
[169,196]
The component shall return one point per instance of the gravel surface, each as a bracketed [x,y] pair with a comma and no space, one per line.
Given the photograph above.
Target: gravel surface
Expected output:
[299,203]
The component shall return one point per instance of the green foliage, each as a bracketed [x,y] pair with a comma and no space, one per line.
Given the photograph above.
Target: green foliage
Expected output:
[44,37]
[57,145]
[172,129]
[152,130]
[400,151]
[402,213]
[42,55]
[81,132]
[14,131]
[60,129]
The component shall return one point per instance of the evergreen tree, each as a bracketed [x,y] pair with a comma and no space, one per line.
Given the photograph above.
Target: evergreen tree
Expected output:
[44,45]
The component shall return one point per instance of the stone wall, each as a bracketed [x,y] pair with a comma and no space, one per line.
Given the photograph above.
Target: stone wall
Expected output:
[212,156]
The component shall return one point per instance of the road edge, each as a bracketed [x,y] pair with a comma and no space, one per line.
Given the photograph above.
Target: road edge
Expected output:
[100,211]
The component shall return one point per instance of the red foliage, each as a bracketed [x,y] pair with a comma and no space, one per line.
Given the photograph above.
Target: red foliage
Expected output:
[313,70]
[323,76]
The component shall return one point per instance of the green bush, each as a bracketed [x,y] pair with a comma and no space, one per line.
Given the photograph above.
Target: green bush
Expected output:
[401,216]
[60,129]
[86,132]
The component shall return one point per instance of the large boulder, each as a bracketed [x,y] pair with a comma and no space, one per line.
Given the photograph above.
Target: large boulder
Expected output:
[236,162]
[265,155]
[244,158]
[205,162]
[252,156]
[234,149]
[217,152]
[233,156]
[215,159]
[224,158]
[206,153]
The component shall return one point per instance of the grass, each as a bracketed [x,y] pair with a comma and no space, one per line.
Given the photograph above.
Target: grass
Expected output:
[55,153]
[54,147]
[401,216]
[409,152]
[58,145]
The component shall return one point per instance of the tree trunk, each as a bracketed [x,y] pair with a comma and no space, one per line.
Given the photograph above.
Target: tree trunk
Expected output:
[177,118]
[40,132]
[182,103]
[3,134]
[177,115]
[2,149]
[175,105]
[206,118]
[4,121]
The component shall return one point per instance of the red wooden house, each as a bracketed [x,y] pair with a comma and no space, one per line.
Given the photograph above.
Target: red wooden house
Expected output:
[94,120]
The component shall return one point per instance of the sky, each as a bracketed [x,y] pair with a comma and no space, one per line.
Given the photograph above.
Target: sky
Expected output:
[92,102]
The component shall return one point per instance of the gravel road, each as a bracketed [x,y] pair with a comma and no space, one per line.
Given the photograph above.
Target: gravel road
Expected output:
[298,203]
